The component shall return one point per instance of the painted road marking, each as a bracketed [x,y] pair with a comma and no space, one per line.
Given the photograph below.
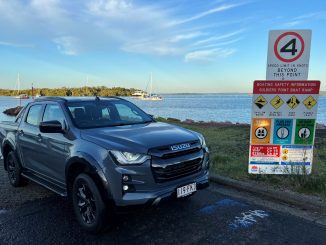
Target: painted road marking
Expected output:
[247,219]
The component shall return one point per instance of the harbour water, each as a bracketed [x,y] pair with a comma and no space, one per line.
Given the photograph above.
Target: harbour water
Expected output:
[199,107]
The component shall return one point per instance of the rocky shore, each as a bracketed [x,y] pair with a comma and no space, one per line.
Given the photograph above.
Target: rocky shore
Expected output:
[14,112]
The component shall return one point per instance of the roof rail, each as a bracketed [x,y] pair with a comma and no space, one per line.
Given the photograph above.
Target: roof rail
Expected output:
[50,98]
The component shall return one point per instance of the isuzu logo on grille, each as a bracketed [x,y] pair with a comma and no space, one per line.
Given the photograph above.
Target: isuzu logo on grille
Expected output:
[180,147]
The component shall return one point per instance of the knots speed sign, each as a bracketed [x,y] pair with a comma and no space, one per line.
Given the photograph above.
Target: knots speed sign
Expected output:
[289,46]
[288,55]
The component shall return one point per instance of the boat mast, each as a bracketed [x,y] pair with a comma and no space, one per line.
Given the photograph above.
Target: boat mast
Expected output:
[151,91]
[18,84]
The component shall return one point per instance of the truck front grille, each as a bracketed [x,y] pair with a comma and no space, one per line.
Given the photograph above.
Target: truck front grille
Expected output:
[163,173]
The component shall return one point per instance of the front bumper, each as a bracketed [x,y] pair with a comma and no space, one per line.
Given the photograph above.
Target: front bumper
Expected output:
[144,186]
[155,197]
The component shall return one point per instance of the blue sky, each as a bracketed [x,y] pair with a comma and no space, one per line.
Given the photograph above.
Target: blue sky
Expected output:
[189,45]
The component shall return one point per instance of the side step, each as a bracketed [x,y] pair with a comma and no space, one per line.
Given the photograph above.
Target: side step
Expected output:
[45,183]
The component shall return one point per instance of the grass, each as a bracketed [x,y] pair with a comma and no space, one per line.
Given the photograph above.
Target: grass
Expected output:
[229,148]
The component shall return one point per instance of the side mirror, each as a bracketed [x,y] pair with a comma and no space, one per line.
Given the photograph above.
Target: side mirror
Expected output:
[151,116]
[51,127]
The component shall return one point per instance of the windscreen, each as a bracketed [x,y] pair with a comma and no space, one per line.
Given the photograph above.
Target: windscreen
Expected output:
[106,113]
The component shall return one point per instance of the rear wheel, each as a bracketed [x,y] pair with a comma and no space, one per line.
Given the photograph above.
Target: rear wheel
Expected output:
[14,171]
[91,212]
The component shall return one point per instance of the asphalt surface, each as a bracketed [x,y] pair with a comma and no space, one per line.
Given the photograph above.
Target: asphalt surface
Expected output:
[208,217]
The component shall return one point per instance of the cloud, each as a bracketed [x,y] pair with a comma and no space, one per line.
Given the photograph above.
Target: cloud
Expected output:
[206,13]
[187,36]
[67,45]
[74,27]
[208,55]
[15,45]
[293,23]
[219,37]
[306,18]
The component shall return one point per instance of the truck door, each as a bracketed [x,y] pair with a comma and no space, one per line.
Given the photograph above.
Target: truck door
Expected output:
[56,146]
[29,137]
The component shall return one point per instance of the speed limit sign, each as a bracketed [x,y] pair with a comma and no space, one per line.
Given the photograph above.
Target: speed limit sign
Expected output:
[288,55]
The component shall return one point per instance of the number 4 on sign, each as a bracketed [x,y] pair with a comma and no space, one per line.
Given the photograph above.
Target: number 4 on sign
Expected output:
[292,50]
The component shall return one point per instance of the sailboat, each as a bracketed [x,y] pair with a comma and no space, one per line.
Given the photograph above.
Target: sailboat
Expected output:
[20,96]
[150,95]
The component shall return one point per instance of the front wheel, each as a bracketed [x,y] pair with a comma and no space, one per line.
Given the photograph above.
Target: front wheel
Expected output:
[91,212]
[14,171]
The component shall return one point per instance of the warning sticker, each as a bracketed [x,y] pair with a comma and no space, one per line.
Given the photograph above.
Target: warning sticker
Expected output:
[282,131]
[297,154]
[276,102]
[304,131]
[261,129]
[293,102]
[310,102]
[260,102]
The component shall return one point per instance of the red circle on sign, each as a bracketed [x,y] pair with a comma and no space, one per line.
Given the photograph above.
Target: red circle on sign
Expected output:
[279,39]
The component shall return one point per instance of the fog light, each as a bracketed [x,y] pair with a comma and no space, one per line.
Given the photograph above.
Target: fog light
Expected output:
[125,187]
[125,178]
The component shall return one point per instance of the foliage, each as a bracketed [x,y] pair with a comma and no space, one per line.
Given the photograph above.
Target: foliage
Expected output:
[81,91]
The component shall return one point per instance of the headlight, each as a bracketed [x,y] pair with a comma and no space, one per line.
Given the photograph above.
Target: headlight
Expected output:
[202,141]
[126,158]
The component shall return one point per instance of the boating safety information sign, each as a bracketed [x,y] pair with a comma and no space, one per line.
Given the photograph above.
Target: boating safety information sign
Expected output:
[283,126]
[288,55]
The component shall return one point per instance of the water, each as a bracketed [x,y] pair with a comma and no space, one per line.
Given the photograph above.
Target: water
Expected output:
[204,107]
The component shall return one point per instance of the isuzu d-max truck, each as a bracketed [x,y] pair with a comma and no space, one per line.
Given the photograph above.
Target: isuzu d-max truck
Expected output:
[103,153]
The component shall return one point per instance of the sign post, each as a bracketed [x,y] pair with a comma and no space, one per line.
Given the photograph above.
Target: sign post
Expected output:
[284,108]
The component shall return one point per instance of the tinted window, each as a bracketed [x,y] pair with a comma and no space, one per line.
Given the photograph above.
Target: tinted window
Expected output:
[52,113]
[20,115]
[106,113]
[34,115]
[127,113]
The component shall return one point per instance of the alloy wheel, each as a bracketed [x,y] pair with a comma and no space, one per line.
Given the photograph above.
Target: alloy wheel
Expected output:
[11,169]
[86,203]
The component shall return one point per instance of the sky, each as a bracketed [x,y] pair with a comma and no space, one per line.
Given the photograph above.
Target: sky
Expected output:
[189,45]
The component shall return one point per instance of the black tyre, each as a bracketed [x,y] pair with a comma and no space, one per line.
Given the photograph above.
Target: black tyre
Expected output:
[14,171]
[90,210]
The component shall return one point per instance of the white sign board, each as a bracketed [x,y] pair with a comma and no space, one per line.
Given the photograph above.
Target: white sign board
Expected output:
[288,55]
[283,126]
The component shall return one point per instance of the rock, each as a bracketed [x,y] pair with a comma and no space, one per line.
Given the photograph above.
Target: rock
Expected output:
[13,111]
[173,119]
[190,121]
[320,126]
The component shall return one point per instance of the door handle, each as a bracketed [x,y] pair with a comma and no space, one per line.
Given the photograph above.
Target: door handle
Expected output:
[21,132]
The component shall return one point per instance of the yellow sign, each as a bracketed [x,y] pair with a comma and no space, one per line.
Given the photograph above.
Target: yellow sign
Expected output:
[276,102]
[284,157]
[310,102]
[285,151]
[261,130]
[260,102]
[293,102]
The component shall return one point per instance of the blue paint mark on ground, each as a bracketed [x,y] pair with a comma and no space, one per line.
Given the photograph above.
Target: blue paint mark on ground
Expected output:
[209,209]
[230,203]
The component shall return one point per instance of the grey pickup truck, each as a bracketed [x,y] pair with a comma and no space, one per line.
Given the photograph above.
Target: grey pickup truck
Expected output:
[103,153]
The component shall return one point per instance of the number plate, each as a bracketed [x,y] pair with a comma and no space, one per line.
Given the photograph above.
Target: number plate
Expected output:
[186,190]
